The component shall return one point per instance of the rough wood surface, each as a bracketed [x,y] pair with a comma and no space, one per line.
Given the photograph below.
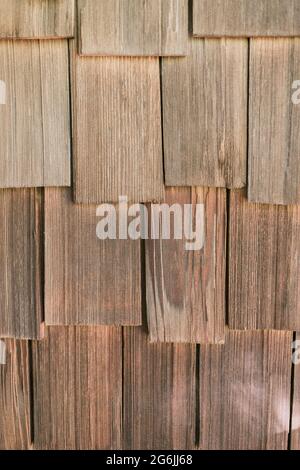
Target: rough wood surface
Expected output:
[246,18]
[245,392]
[117,130]
[15,428]
[264,265]
[34,19]
[87,280]
[159,393]
[186,289]
[274,127]
[295,418]
[205,114]
[77,379]
[20,263]
[133,28]
[35,121]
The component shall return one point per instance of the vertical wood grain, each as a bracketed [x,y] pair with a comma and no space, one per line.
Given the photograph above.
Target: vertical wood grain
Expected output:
[205,114]
[186,289]
[274,127]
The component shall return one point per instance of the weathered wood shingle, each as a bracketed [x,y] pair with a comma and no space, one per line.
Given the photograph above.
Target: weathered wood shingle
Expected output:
[186,287]
[274,121]
[35,121]
[20,263]
[264,265]
[159,393]
[36,19]
[87,280]
[133,28]
[77,385]
[246,18]
[244,395]
[15,426]
[205,114]
[117,129]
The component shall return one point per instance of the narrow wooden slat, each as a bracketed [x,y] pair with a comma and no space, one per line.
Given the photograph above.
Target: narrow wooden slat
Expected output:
[77,373]
[274,128]
[205,114]
[159,393]
[245,392]
[20,263]
[246,18]
[295,418]
[186,289]
[15,428]
[35,121]
[133,28]
[36,19]
[264,266]
[88,280]
[117,130]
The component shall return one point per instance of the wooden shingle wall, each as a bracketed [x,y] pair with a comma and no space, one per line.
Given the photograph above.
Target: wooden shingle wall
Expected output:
[150,344]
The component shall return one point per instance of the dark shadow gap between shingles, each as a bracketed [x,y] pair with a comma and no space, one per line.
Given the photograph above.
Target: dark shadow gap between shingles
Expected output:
[289,441]
[31,394]
[197,396]
[227,256]
[162,118]
[248,115]
[70,65]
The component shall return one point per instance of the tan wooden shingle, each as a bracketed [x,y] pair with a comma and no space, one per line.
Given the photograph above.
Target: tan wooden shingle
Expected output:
[264,265]
[274,127]
[33,19]
[117,130]
[133,28]
[186,288]
[87,280]
[159,393]
[246,18]
[15,426]
[20,263]
[77,383]
[244,394]
[35,121]
[295,418]
[205,114]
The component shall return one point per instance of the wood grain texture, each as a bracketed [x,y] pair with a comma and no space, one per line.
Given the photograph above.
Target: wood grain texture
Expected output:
[133,28]
[35,122]
[36,19]
[87,280]
[246,18]
[77,379]
[159,393]
[205,114]
[15,428]
[274,127]
[20,263]
[186,289]
[117,130]
[295,418]
[264,265]
[245,392]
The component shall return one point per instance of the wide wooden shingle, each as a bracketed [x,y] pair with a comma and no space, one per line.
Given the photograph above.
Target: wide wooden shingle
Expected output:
[244,395]
[274,127]
[15,426]
[246,18]
[117,129]
[205,114]
[159,393]
[186,287]
[77,381]
[35,121]
[264,265]
[87,280]
[36,19]
[20,263]
[133,28]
